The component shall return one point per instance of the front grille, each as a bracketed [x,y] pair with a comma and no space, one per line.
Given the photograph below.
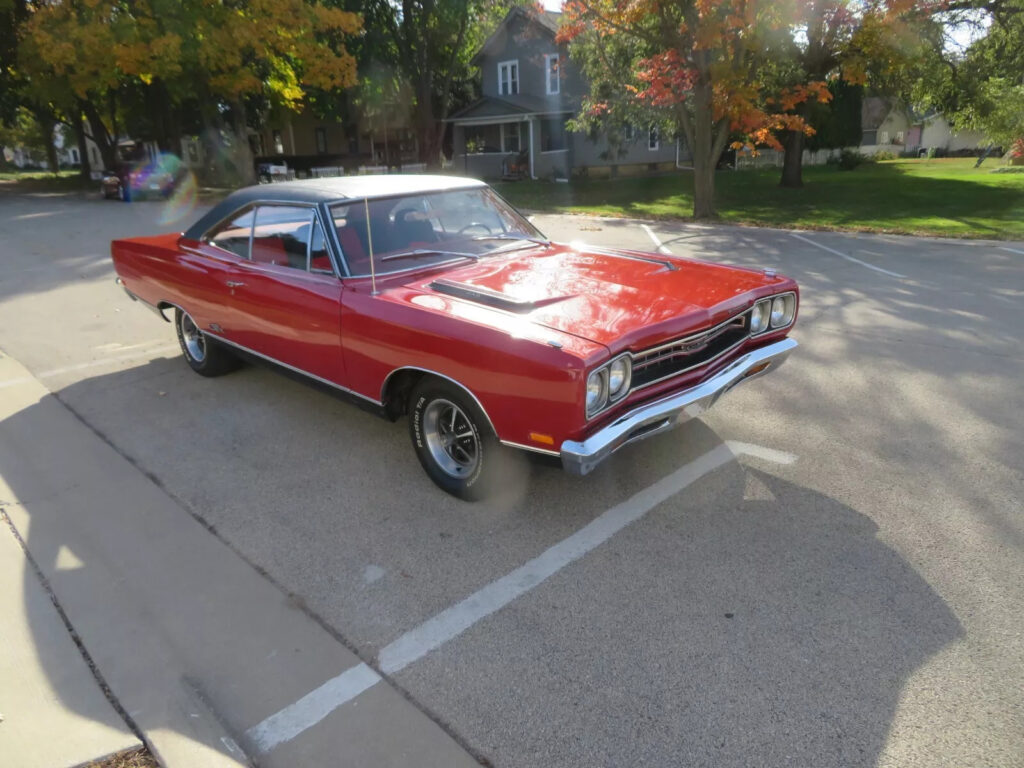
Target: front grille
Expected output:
[682,355]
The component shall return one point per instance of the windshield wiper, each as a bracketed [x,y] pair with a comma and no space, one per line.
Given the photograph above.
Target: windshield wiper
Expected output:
[535,240]
[428,252]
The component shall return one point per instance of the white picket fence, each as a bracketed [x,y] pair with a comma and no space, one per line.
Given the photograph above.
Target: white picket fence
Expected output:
[772,158]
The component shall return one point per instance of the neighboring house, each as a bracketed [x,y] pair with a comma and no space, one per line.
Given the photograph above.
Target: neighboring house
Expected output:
[68,154]
[892,127]
[530,89]
[307,143]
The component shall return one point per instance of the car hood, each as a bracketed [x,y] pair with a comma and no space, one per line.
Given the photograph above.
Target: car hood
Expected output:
[620,299]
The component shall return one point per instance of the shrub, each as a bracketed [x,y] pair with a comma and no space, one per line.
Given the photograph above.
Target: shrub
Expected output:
[850,159]
[884,155]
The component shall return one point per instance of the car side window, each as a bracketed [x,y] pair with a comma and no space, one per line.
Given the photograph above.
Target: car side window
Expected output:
[282,236]
[233,235]
[319,258]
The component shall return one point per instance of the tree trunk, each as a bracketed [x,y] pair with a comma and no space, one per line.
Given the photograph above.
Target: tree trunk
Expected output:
[241,153]
[703,151]
[83,149]
[108,149]
[426,124]
[792,164]
[51,148]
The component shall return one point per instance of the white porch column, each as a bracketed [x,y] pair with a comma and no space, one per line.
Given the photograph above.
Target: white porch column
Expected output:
[530,125]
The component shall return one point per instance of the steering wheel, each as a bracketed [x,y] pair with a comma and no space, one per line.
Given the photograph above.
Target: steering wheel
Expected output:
[477,224]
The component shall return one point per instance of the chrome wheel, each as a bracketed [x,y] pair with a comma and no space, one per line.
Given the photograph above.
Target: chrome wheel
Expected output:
[193,338]
[451,439]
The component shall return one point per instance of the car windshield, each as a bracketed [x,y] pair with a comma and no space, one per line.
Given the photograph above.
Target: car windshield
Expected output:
[428,228]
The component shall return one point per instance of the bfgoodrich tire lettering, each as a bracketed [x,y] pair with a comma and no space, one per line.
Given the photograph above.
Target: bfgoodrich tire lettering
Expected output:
[452,439]
[203,355]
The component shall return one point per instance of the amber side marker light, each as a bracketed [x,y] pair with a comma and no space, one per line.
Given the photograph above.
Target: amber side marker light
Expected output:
[537,437]
[758,368]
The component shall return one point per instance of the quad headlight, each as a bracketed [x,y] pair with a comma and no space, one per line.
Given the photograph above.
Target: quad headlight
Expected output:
[759,316]
[597,391]
[608,383]
[774,312]
[783,309]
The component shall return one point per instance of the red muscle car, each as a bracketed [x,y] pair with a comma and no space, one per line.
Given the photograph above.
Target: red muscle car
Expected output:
[431,297]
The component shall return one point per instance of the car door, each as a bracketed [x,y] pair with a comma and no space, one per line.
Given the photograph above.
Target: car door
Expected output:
[286,297]
[208,266]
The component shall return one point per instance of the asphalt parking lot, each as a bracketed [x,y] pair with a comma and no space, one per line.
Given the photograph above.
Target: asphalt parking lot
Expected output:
[826,570]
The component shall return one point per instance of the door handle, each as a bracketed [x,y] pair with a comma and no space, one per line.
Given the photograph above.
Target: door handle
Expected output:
[234,284]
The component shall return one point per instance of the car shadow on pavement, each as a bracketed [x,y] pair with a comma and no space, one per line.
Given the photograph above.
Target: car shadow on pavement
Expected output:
[745,620]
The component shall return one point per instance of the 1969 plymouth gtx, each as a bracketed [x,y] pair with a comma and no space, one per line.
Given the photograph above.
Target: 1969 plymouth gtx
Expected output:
[429,296]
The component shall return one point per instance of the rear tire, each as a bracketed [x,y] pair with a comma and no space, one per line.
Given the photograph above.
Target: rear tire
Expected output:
[453,440]
[203,355]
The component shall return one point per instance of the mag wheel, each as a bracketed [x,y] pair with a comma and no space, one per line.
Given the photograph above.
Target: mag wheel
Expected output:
[204,355]
[453,439]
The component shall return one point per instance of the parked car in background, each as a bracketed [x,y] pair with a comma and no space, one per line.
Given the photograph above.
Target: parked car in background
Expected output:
[430,296]
[138,176]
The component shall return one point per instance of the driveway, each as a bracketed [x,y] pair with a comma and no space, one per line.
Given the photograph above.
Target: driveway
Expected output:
[826,570]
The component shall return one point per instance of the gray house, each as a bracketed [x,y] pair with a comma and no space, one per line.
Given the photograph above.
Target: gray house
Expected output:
[530,89]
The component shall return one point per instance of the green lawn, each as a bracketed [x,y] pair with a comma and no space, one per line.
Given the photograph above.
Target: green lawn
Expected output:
[43,181]
[946,197]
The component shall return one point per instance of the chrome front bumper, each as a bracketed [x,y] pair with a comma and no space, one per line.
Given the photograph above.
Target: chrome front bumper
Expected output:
[579,458]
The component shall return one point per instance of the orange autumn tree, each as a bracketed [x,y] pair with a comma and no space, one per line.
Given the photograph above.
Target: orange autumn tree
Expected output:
[230,58]
[700,67]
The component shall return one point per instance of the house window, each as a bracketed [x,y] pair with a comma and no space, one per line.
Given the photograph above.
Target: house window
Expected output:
[629,132]
[321,141]
[551,74]
[510,137]
[74,156]
[899,138]
[278,144]
[552,135]
[883,137]
[95,155]
[508,78]
[482,138]
[653,141]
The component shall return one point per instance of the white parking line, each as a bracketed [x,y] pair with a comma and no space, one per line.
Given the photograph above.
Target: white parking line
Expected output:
[760,452]
[662,248]
[311,708]
[452,622]
[1012,250]
[846,256]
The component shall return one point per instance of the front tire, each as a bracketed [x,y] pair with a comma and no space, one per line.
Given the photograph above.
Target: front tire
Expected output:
[203,355]
[453,440]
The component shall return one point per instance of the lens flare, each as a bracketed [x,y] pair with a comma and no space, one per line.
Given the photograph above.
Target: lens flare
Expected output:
[182,201]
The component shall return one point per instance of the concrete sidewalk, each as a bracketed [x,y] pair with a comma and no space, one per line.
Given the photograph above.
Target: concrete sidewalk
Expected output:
[210,660]
[54,713]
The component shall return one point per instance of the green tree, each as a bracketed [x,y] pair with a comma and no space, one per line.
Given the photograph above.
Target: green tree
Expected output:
[428,46]
[697,65]
[228,57]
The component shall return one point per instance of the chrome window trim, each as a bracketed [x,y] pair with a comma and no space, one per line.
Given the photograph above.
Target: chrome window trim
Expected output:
[358,200]
[205,239]
[331,235]
[254,205]
[275,361]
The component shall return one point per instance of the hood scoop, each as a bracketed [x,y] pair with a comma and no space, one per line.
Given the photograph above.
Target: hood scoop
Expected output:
[490,298]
